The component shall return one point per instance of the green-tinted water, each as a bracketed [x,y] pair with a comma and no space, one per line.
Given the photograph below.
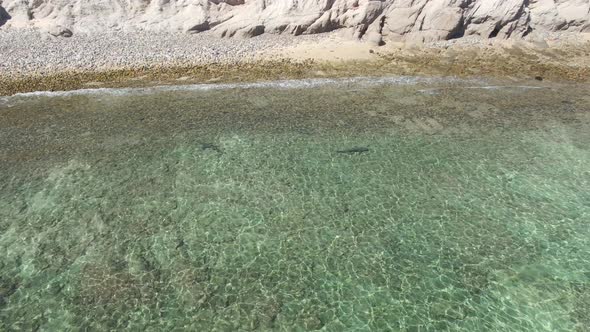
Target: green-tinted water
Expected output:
[462,209]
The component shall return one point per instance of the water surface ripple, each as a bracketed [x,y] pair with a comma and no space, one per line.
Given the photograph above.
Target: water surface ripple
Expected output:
[394,204]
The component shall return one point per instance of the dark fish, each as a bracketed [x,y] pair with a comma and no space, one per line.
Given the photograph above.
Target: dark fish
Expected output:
[354,150]
[209,146]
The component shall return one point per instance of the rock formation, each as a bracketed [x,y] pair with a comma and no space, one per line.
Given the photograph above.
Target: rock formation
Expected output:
[418,20]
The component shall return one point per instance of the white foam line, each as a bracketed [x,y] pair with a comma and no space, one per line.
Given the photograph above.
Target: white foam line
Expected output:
[284,84]
[430,91]
[489,87]
[497,87]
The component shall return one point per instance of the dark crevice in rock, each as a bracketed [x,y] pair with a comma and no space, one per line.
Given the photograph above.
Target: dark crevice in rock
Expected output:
[200,27]
[329,5]
[495,32]
[466,5]
[255,31]
[4,16]
[327,25]
[459,30]
[382,24]
[363,29]
[369,20]
[528,26]
[418,15]
[382,19]
[280,28]
[229,2]
[521,12]
[561,26]
[36,4]
[297,30]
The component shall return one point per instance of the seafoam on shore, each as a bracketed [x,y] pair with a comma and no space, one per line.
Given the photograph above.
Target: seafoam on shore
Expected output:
[281,84]
[433,83]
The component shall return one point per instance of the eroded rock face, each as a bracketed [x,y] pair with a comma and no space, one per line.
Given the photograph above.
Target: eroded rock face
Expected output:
[417,20]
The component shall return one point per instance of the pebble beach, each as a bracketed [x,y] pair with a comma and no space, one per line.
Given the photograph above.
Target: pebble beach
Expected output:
[24,52]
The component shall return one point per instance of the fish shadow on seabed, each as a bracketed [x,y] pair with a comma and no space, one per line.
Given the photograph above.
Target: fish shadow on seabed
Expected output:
[355,150]
[209,146]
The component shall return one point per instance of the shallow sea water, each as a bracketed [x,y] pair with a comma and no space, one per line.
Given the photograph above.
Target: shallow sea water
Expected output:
[399,204]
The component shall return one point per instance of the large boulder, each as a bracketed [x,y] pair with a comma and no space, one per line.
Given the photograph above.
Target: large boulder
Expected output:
[59,31]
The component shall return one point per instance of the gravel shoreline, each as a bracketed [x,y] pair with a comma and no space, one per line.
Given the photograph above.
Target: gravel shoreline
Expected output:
[34,61]
[26,52]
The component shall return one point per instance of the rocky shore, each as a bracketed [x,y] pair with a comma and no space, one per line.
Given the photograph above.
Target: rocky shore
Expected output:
[64,44]
[31,60]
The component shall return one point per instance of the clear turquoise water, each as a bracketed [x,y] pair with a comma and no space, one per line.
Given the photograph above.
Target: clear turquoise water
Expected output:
[465,209]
